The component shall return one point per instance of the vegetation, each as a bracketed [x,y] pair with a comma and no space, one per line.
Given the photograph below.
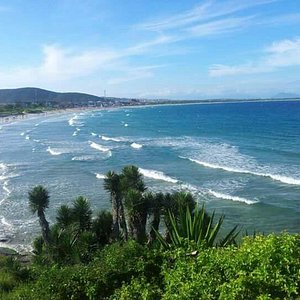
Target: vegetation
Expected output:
[152,246]
[19,109]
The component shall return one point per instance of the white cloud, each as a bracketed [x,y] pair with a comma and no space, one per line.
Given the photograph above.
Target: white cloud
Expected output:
[59,64]
[202,12]
[219,26]
[284,53]
[65,65]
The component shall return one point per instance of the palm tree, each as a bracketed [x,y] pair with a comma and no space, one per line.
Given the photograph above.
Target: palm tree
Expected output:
[82,213]
[112,184]
[101,227]
[155,202]
[38,202]
[64,216]
[137,207]
[131,178]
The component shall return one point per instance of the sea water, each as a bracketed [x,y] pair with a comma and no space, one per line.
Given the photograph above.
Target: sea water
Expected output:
[241,159]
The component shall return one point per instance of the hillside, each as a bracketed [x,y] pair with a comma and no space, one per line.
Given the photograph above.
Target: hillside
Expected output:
[28,94]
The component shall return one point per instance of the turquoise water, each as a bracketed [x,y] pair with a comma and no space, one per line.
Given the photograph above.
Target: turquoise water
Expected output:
[242,159]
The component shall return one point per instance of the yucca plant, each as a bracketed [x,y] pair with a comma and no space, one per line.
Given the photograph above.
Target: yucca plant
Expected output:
[197,227]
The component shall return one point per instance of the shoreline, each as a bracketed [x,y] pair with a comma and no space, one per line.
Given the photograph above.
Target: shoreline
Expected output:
[15,118]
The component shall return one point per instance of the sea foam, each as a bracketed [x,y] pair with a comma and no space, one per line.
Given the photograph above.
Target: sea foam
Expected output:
[72,120]
[136,146]
[53,152]
[157,175]
[99,147]
[281,178]
[100,176]
[232,198]
[83,158]
[5,223]
[106,138]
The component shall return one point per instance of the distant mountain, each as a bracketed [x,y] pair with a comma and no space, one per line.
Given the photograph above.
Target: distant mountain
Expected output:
[36,95]
[286,95]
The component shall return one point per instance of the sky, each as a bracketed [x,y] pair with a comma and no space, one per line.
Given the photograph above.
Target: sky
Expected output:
[159,49]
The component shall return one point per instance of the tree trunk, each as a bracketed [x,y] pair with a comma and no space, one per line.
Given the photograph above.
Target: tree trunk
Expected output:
[115,217]
[139,227]
[45,227]
[123,221]
[154,226]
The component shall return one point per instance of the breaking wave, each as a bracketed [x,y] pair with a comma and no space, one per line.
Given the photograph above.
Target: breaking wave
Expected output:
[100,176]
[83,158]
[157,175]
[281,178]
[232,198]
[136,146]
[53,152]
[106,138]
[99,147]
[73,120]
[5,223]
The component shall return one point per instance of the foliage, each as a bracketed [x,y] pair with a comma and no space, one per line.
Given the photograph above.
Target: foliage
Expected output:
[196,226]
[85,260]
[82,213]
[11,274]
[38,199]
[261,268]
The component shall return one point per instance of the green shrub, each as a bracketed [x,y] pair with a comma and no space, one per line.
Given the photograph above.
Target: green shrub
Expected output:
[262,267]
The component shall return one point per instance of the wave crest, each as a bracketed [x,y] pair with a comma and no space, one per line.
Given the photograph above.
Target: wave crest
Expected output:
[232,198]
[99,147]
[136,146]
[83,158]
[106,138]
[100,176]
[157,175]
[53,152]
[281,178]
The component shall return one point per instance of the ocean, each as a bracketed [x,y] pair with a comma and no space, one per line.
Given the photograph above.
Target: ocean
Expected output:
[241,159]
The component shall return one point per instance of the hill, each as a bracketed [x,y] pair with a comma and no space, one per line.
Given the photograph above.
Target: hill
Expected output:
[36,95]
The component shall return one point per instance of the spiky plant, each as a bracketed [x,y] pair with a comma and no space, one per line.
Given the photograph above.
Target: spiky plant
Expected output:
[82,213]
[197,227]
[64,216]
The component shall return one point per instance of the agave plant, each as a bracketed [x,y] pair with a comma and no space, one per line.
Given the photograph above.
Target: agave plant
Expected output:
[196,226]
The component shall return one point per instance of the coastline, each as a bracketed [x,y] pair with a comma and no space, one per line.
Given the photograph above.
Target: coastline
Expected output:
[15,118]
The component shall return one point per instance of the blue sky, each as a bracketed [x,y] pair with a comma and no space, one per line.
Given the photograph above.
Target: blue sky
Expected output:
[152,49]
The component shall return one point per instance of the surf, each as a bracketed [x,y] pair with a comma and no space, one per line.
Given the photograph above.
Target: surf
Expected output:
[276,177]
[157,175]
[99,147]
[232,198]
[136,146]
[53,152]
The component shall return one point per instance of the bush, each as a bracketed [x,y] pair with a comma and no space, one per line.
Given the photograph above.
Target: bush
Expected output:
[262,268]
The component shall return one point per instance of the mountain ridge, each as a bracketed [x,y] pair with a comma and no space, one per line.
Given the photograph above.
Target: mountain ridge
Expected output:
[38,95]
